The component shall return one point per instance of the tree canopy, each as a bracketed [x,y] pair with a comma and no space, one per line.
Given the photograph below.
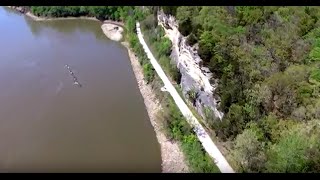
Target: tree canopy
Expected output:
[267,62]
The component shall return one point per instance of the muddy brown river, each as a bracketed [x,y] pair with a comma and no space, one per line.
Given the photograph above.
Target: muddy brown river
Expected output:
[48,124]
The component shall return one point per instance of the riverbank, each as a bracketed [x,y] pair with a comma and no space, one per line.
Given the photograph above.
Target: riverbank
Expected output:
[173,159]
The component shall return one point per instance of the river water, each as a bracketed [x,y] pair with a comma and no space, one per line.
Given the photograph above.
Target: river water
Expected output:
[48,124]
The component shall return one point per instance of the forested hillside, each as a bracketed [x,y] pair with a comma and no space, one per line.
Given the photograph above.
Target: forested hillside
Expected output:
[267,62]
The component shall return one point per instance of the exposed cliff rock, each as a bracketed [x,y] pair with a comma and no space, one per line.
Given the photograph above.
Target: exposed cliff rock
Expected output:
[194,77]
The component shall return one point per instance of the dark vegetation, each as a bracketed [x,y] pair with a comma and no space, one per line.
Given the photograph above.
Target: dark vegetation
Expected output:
[117,13]
[267,62]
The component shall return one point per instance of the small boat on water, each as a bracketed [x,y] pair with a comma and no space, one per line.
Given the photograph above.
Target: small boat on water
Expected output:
[75,80]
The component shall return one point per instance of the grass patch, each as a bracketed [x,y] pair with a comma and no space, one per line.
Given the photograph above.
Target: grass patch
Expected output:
[178,129]
[198,159]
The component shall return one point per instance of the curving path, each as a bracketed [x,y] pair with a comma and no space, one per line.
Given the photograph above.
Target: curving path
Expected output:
[203,136]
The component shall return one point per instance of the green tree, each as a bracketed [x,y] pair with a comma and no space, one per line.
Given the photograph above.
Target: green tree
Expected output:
[293,151]
[249,151]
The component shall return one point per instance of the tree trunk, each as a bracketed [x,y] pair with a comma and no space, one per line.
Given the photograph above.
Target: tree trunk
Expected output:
[155,15]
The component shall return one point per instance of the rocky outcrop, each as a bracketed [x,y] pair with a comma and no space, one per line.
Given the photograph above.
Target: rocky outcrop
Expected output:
[194,77]
[112,31]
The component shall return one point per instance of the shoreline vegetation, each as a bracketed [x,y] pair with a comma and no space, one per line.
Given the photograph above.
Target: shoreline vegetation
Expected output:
[173,158]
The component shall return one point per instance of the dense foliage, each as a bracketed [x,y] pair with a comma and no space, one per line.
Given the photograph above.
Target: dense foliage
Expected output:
[100,12]
[267,62]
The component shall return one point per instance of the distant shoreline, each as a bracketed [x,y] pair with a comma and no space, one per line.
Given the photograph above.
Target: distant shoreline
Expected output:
[112,29]
[38,18]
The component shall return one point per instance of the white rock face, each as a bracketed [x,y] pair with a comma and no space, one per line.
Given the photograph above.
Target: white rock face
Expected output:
[112,31]
[193,76]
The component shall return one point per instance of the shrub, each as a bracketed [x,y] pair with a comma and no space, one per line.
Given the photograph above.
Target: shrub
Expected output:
[192,39]
[248,152]
[164,48]
[185,27]
[148,72]
[148,23]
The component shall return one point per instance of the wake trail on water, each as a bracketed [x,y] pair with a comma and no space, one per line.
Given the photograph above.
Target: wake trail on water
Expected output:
[75,79]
